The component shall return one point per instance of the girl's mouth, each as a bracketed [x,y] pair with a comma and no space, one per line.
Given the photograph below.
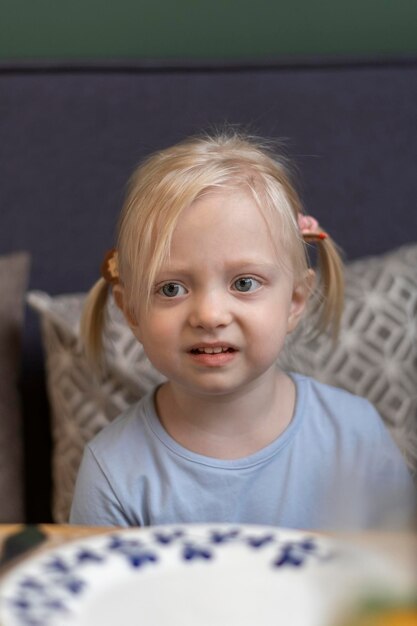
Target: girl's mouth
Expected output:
[213,356]
[212,350]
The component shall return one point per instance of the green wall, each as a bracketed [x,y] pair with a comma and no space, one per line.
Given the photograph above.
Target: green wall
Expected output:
[205,29]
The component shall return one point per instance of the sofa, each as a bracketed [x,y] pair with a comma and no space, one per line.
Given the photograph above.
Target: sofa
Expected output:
[71,133]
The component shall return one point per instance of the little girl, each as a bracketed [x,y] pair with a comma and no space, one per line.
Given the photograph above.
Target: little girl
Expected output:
[211,272]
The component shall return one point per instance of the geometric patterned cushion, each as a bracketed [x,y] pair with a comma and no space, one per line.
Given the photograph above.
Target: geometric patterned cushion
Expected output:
[375,357]
[82,403]
[376,354]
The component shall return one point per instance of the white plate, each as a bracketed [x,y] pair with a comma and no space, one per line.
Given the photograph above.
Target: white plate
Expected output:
[194,575]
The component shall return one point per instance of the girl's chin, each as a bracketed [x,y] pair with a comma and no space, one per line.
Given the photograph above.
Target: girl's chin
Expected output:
[215,389]
[222,381]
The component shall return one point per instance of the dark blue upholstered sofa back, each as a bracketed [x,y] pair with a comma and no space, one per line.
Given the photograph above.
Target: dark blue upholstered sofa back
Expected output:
[70,135]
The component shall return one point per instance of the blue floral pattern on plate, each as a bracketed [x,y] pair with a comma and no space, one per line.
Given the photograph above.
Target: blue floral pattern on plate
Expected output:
[47,589]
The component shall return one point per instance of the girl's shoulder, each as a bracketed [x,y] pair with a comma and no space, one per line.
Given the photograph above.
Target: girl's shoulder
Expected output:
[344,421]
[338,404]
[126,429]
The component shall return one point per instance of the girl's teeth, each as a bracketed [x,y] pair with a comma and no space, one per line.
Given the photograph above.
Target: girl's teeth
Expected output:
[216,350]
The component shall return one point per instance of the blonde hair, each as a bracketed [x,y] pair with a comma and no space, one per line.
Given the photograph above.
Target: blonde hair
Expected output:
[169,181]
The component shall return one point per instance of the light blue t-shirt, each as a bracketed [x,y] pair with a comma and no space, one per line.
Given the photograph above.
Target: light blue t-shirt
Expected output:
[334,467]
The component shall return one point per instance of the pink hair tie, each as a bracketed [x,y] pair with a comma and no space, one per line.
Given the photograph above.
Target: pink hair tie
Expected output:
[309,228]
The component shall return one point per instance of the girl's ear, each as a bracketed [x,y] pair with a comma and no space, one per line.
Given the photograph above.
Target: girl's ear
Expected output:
[300,296]
[119,298]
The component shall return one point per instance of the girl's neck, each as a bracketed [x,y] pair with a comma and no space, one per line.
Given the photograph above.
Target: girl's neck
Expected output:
[228,427]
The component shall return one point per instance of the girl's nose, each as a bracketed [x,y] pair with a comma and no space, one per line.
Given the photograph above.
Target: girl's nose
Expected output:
[210,310]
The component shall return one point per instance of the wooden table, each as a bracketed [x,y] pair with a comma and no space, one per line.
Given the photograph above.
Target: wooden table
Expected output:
[57,535]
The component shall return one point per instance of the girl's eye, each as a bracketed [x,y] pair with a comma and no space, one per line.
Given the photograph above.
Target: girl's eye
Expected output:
[246,284]
[172,290]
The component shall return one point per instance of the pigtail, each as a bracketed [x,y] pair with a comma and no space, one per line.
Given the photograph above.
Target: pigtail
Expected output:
[329,304]
[92,323]
[93,315]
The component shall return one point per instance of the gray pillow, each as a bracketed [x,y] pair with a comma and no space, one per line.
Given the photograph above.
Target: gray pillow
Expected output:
[14,271]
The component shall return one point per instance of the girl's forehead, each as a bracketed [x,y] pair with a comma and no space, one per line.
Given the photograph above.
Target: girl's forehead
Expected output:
[234,206]
[225,225]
